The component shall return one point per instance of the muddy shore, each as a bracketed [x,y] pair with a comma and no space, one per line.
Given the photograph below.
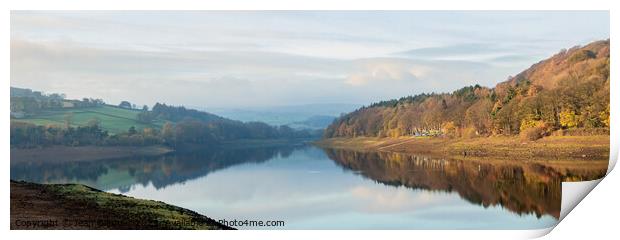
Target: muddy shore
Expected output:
[500,147]
[61,154]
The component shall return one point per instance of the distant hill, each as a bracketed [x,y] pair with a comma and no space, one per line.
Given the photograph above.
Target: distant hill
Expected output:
[570,90]
[35,107]
[314,122]
[292,115]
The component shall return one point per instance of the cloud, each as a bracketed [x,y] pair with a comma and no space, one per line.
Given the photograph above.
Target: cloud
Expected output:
[232,78]
[214,78]
[261,58]
[386,71]
[489,53]
[379,199]
[408,76]
[451,50]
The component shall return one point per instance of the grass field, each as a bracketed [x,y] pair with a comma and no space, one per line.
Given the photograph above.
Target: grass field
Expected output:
[113,119]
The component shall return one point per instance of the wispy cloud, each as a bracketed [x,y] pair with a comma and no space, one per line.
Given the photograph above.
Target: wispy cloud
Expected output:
[245,58]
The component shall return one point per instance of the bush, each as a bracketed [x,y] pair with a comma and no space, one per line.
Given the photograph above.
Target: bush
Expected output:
[469,132]
[581,55]
[449,129]
[532,134]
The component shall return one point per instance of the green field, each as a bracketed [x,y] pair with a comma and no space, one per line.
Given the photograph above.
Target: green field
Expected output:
[113,119]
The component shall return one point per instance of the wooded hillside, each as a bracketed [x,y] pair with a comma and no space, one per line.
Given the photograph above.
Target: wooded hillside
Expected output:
[39,119]
[569,91]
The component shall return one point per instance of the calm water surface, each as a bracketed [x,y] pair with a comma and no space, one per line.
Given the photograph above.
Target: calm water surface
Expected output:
[313,188]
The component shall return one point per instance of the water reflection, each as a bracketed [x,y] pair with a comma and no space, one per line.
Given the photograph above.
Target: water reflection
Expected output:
[307,187]
[522,188]
[160,171]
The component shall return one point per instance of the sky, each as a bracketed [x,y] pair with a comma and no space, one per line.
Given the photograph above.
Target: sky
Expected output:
[248,59]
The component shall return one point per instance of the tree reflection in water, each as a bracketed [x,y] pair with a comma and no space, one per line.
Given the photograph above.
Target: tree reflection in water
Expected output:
[160,171]
[520,187]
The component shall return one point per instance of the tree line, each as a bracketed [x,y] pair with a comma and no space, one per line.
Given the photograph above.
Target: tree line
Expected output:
[26,101]
[567,92]
[198,126]
[182,126]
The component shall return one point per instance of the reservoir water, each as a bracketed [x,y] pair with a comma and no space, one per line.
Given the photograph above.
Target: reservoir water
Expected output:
[312,188]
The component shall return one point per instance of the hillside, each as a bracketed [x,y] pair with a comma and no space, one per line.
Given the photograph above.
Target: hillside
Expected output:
[112,119]
[53,109]
[568,91]
[39,119]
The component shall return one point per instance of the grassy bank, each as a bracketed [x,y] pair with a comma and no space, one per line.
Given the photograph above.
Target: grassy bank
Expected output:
[59,154]
[113,119]
[553,147]
[75,206]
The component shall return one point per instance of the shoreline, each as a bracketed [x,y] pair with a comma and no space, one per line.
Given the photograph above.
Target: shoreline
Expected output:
[76,206]
[61,154]
[500,147]
[258,143]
